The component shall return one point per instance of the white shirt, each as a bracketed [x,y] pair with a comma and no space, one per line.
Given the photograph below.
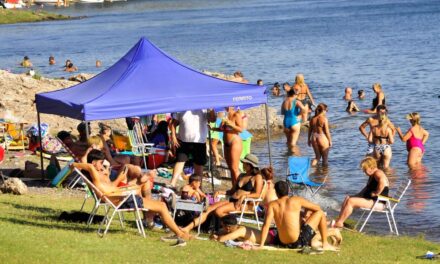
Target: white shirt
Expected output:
[193,126]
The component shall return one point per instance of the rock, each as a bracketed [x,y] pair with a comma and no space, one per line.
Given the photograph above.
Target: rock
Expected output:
[14,185]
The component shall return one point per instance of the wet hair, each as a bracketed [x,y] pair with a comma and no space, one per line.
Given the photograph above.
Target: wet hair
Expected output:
[368,163]
[259,81]
[62,135]
[320,108]
[267,173]
[70,65]
[281,189]
[360,92]
[291,93]
[229,220]
[195,177]
[381,107]
[299,79]
[26,58]
[414,118]
[95,154]
[277,84]
[238,73]
[51,58]
[377,86]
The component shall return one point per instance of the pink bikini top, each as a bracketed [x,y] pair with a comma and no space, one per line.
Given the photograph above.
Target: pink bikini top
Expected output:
[414,142]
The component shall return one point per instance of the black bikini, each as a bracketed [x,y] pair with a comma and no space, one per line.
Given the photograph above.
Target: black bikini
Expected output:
[247,187]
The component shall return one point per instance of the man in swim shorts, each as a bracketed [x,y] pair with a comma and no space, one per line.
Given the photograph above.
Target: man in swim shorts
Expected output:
[290,232]
[372,122]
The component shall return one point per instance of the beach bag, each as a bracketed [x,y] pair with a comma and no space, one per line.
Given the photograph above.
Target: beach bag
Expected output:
[51,145]
[33,130]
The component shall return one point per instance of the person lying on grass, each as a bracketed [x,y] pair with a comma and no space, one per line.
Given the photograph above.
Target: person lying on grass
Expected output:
[233,231]
[99,175]
[290,232]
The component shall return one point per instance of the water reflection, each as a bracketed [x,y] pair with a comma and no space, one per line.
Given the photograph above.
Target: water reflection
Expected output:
[419,196]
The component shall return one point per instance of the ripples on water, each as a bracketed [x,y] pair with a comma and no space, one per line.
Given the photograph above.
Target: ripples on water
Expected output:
[334,43]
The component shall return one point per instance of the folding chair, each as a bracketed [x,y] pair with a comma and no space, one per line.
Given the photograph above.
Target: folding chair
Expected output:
[189,205]
[15,138]
[102,199]
[298,171]
[254,202]
[389,207]
[138,146]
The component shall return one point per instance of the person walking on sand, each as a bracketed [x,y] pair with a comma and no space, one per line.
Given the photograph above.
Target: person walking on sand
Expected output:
[291,109]
[319,135]
[382,137]
[415,139]
[289,231]
[304,95]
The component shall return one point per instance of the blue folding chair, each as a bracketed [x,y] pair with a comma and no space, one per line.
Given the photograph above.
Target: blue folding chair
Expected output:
[298,171]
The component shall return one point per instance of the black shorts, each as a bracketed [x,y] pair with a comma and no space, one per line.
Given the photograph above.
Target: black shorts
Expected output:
[305,238]
[197,150]
[129,204]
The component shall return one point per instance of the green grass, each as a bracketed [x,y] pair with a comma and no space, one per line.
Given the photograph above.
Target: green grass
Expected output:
[30,233]
[12,16]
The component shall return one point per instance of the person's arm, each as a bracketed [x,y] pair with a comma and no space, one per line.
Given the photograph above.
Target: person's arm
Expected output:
[363,127]
[425,136]
[239,233]
[174,124]
[258,188]
[327,132]
[370,137]
[201,193]
[310,95]
[390,135]
[300,105]
[266,226]
[405,137]
[309,205]
[283,111]
[309,135]
[236,125]
[380,99]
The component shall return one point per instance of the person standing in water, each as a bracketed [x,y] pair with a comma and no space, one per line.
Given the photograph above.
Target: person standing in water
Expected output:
[378,100]
[319,135]
[382,137]
[291,109]
[415,139]
[304,95]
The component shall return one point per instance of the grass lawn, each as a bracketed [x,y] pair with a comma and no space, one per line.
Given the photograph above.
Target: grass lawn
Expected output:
[11,16]
[30,233]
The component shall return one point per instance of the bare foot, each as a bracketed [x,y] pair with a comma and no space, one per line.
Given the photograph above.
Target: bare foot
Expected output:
[328,247]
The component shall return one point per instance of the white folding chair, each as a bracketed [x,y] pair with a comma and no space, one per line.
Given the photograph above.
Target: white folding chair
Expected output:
[189,205]
[254,202]
[388,208]
[102,199]
[138,146]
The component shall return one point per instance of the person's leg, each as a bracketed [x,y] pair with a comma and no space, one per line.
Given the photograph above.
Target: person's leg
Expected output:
[315,146]
[347,210]
[414,157]
[161,209]
[294,135]
[318,222]
[324,148]
[214,144]
[199,157]
[288,137]
[304,114]
[387,155]
[225,209]
[203,216]
[236,149]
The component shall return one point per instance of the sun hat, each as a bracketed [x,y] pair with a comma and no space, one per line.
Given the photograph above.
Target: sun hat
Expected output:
[251,159]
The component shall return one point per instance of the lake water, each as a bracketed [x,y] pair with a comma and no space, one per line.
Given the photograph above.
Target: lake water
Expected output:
[334,43]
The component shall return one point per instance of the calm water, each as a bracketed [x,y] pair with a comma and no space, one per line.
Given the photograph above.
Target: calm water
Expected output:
[334,43]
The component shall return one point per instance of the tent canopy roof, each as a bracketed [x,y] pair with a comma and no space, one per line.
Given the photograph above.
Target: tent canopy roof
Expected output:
[146,81]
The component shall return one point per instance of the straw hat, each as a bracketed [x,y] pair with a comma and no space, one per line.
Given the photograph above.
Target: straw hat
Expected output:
[251,159]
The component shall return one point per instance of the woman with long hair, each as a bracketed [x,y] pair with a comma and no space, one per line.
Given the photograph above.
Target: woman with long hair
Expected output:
[382,137]
[304,95]
[319,135]
[291,109]
[415,139]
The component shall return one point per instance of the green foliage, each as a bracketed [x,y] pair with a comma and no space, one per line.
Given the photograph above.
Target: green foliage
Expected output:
[31,233]
[11,16]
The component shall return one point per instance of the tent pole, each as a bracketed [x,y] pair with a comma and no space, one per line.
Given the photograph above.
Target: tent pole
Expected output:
[41,146]
[268,133]
[87,129]
[210,160]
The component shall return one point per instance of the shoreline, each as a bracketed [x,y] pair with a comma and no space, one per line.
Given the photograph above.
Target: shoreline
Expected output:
[14,16]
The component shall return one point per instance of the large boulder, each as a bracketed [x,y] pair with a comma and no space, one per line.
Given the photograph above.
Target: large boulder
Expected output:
[14,185]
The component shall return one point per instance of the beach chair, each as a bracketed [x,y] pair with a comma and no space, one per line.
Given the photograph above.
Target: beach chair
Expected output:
[390,206]
[15,138]
[138,145]
[255,202]
[298,171]
[189,205]
[111,209]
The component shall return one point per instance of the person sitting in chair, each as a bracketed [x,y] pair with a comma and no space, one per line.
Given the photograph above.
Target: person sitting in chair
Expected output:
[290,231]
[192,190]
[99,174]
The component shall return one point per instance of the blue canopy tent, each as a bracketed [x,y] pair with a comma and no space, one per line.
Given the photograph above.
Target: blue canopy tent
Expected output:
[146,81]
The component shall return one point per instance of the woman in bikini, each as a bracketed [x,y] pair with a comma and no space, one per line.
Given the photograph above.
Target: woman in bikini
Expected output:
[319,135]
[415,139]
[378,100]
[249,185]
[377,185]
[382,137]
[291,109]
[304,95]
[232,126]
